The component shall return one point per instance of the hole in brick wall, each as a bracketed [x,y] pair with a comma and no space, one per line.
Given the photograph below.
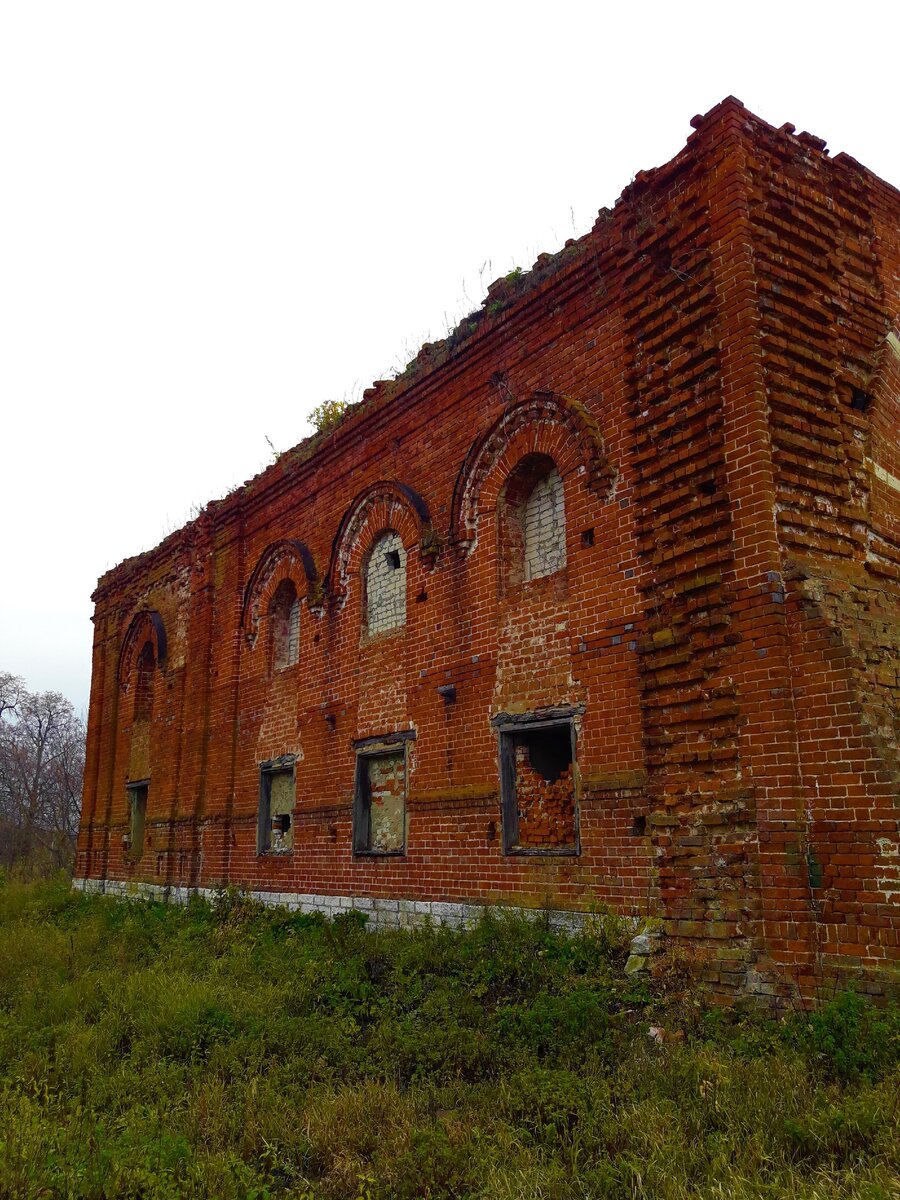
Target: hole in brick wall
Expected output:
[393,559]
[639,826]
[587,537]
[707,487]
[859,400]
[492,831]
[422,597]
[538,789]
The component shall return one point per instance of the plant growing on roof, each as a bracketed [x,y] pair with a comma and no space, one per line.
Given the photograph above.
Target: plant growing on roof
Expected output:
[327,414]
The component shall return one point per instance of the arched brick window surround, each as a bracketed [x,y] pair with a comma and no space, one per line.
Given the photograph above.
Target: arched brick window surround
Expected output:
[285,559]
[546,424]
[145,626]
[387,505]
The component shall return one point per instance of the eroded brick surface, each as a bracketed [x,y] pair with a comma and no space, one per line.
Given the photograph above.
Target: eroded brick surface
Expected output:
[651,488]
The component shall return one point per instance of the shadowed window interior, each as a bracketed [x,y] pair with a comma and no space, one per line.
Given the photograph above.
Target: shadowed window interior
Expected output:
[386,584]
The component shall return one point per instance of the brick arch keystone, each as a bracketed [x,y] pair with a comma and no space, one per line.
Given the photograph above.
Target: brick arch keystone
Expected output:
[385,505]
[284,559]
[145,626]
[545,423]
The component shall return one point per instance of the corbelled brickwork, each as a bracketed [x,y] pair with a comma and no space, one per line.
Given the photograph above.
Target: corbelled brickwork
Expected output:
[598,603]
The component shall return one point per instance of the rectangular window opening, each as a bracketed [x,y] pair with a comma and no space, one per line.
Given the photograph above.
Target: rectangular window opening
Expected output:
[137,817]
[276,807]
[538,788]
[379,819]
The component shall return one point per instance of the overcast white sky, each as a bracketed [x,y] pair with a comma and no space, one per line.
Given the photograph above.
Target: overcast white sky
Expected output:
[213,216]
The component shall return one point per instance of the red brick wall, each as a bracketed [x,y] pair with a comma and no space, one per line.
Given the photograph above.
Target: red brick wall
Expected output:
[708,371]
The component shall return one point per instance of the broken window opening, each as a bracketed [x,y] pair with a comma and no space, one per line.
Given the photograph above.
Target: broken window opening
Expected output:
[284,614]
[379,819]
[276,806]
[538,788]
[385,598]
[137,817]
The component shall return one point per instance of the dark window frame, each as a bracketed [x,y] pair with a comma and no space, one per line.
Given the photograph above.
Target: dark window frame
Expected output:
[508,729]
[367,749]
[287,763]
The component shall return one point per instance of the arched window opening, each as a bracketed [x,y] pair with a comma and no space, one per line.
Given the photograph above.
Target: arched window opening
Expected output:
[284,614]
[143,688]
[386,584]
[532,521]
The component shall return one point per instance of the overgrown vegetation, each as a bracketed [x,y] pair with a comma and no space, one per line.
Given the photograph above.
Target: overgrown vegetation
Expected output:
[327,415]
[227,1051]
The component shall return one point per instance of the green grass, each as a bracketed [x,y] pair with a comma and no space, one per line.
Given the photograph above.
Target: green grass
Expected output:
[225,1051]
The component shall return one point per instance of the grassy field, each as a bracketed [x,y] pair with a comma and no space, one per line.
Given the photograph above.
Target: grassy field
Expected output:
[224,1051]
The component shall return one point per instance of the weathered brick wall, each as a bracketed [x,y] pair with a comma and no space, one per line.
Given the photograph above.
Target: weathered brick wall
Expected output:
[651,487]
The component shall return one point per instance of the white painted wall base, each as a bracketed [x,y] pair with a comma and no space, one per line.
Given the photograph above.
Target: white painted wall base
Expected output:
[381,914]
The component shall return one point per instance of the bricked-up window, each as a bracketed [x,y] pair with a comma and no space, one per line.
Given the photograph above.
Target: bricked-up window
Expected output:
[532,522]
[137,816]
[284,616]
[143,684]
[544,525]
[276,806]
[386,584]
[379,818]
[538,788]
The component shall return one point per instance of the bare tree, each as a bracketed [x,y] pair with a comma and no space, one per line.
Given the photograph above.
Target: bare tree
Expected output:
[41,769]
[11,688]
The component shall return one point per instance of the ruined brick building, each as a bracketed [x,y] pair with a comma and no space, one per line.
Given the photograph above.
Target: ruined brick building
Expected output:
[597,603]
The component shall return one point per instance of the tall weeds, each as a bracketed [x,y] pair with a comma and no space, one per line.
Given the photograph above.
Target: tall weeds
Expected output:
[232,1052]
